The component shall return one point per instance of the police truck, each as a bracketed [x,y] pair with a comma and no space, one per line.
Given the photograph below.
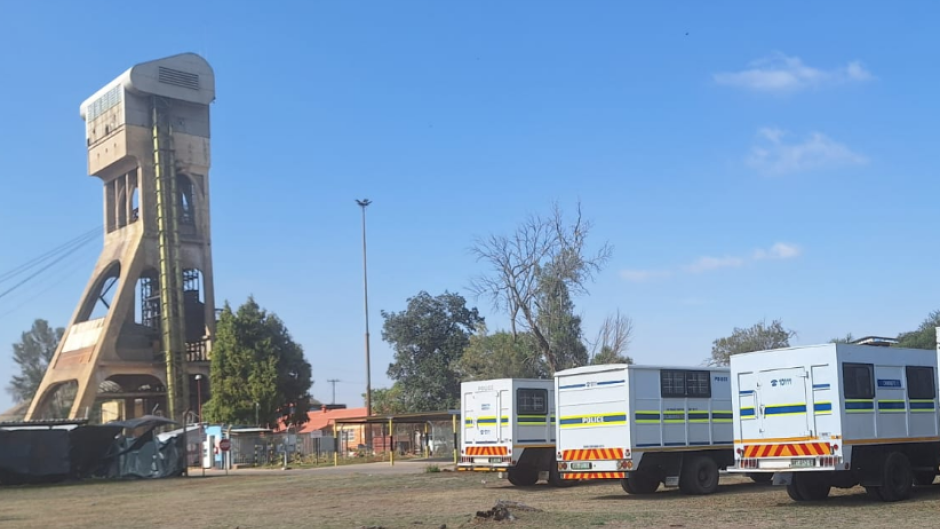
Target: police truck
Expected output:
[509,427]
[645,426]
[837,415]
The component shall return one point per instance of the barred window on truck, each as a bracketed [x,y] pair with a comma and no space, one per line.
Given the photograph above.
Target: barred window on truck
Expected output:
[857,381]
[532,401]
[680,384]
[920,383]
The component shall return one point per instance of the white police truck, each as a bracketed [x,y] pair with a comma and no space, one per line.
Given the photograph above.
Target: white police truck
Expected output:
[508,427]
[837,415]
[644,426]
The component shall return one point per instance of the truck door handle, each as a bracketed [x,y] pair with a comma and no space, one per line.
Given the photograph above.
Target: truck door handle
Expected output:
[762,407]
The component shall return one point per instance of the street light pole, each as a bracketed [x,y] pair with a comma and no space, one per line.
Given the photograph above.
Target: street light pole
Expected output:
[199,396]
[365,285]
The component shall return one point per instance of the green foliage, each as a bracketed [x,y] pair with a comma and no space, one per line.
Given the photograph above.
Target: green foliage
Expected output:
[429,338]
[534,271]
[501,355]
[608,355]
[848,339]
[925,337]
[388,400]
[559,329]
[257,368]
[33,354]
[432,469]
[758,337]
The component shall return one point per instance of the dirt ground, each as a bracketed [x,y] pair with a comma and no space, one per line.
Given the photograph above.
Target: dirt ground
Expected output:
[354,499]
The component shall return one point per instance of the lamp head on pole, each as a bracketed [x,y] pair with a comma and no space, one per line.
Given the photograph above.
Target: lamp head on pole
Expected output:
[364,202]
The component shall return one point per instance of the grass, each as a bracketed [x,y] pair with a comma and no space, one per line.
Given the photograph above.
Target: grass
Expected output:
[349,499]
[432,469]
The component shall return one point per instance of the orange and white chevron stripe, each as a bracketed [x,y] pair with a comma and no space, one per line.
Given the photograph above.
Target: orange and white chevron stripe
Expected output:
[487,451]
[594,475]
[592,454]
[788,450]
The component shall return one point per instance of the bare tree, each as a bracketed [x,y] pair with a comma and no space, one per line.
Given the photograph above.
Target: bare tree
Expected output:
[518,261]
[613,337]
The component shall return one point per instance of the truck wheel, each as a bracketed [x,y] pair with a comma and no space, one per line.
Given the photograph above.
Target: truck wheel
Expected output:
[898,478]
[924,478]
[761,477]
[874,493]
[794,492]
[810,487]
[555,478]
[699,476]
[640,483]
[523,476]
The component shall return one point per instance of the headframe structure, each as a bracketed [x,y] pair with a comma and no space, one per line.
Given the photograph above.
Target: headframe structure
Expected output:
[146,320]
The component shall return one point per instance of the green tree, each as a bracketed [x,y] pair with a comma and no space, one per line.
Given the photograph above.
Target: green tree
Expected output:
[612,341]
[257,370]
[32,354]
[521,264]
[428,338]
[559,327]
[847,339]
[758,337]
[388,400]
[501,355]
[925,337]
[608,355]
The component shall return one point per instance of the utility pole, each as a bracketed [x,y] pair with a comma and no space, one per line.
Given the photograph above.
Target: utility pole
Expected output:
[333,381]
[365,285]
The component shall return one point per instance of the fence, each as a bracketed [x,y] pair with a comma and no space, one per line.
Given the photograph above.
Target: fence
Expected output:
[263,448]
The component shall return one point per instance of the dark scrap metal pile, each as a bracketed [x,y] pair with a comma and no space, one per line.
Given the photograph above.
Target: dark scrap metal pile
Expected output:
[52,451]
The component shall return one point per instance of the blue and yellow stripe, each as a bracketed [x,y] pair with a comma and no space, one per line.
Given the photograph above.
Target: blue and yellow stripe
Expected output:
[595,419]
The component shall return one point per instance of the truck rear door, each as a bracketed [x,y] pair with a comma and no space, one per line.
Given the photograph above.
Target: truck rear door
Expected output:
[592,414]
[783,409]
[482,418]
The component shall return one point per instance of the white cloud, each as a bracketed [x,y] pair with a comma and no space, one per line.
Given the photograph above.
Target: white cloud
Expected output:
[774,155]
[781,74]
[705,264]
[641,276]
[780,250]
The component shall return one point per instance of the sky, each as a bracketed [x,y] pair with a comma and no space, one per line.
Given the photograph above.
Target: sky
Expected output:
[746,161]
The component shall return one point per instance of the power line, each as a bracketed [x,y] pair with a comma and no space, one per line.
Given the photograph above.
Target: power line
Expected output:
[28,297]
[44,268]
[81,240]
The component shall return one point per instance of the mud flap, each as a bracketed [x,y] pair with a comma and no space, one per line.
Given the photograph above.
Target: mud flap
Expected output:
[783,478]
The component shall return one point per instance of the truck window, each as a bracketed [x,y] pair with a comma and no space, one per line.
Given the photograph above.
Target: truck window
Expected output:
[857,381]
[920,383]
[698,385]
[679,384]
[532,401]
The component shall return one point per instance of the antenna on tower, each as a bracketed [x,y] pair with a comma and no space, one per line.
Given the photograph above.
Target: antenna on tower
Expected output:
[333,381]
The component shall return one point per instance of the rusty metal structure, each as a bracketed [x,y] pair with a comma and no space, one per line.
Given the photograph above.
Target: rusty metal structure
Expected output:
[144,325]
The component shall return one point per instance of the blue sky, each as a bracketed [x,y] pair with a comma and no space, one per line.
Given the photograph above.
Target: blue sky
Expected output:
[746,161]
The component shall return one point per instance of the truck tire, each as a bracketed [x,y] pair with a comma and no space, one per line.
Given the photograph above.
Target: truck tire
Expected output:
[699,475]
[897,478]
[794,492]
[523,476]
[640,483]
[556,480]
[807,486]
[761,477]
[924,478]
